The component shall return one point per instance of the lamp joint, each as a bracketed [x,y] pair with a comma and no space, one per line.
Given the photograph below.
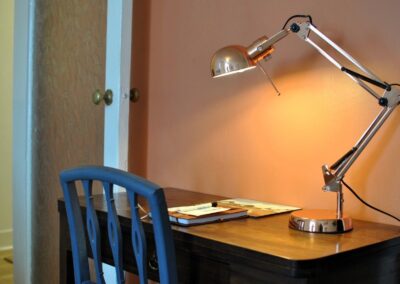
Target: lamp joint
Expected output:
[295,27]
[390,98]
[383,102]
[332,183]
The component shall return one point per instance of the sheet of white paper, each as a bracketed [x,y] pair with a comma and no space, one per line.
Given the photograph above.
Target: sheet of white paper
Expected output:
[183,209]
[254,204]
[204,211]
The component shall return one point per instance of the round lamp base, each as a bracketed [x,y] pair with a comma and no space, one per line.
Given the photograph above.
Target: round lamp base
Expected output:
[319,221]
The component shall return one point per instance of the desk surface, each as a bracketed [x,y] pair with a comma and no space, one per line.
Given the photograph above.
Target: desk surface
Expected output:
[271,235]
[270,243]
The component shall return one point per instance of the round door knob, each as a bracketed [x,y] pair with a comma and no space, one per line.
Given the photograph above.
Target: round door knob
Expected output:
[134,95]
[97,97]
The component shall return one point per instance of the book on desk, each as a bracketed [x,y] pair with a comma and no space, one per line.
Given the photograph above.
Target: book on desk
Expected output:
[224,210]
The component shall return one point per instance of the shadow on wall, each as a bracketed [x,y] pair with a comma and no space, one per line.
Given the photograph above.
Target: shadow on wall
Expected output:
[138,114]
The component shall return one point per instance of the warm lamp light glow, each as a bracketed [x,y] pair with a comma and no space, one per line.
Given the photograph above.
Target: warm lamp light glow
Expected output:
[232,59]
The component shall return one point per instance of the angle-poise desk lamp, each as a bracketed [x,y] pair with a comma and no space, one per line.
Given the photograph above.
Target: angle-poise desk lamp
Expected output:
[234,59]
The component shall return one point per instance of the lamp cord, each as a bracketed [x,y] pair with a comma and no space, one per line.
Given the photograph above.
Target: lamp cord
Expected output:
[296,16]
[367,204]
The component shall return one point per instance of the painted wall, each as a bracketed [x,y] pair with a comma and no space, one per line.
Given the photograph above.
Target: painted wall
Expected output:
[138,111]
[6,55]
[233,136]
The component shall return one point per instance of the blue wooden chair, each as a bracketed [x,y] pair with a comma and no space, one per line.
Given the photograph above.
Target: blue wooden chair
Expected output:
[135,186]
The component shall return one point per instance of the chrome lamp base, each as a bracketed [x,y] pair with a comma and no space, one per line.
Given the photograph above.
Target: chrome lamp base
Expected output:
[319,221]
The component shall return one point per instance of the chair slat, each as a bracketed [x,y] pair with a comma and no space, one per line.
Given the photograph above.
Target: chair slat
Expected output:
[138,238]
[77,233]
[114,231]
[93,229]
[163,237]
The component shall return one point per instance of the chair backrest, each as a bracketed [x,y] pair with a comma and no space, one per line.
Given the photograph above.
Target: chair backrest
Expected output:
[135,186]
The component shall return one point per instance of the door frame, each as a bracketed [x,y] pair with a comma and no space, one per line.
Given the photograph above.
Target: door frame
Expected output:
[22,139]
[118,67]
[118,54]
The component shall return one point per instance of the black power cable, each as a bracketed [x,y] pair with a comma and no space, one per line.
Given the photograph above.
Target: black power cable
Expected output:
[296,16]
[367,204]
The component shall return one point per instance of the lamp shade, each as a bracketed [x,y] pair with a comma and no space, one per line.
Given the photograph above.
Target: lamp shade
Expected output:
[229,60]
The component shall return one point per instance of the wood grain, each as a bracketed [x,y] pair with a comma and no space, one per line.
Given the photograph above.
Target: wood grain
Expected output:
[253,250]
[270,235]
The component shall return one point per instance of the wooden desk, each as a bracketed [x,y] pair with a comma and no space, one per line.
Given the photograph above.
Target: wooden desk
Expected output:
[257,250]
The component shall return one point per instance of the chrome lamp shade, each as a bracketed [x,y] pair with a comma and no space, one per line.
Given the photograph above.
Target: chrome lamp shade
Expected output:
[235,58]
[229,60]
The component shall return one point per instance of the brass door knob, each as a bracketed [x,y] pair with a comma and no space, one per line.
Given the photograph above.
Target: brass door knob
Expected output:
[134,95]
[97,97]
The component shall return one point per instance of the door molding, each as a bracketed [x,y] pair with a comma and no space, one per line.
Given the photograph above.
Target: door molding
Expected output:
[22,139]
[118,66]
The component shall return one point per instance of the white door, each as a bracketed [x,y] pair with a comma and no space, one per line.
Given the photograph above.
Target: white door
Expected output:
[118,53]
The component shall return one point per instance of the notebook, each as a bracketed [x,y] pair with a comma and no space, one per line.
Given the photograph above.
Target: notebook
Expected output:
[204,213]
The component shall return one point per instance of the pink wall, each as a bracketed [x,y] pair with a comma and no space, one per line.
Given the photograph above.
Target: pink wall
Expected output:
[139,79]
[233,136]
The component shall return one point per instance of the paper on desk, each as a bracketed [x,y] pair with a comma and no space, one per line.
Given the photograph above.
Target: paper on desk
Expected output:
[205,211]
[257,208]
[258,204]
[198,210]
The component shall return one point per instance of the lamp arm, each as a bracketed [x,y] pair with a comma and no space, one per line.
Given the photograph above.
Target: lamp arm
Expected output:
[277,37]
[263,46]
[389,100]
[344,53]
[384,85]
[303,31]
[334,177]
[339,165]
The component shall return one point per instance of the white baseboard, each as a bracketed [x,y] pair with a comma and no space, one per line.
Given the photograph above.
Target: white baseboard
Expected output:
[6,239]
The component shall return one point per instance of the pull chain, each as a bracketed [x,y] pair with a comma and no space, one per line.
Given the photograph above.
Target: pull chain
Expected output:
[269,79]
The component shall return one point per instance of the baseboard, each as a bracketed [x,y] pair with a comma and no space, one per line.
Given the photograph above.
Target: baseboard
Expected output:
[6,239]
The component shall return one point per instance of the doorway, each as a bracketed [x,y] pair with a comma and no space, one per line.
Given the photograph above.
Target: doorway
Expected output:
[6,55]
